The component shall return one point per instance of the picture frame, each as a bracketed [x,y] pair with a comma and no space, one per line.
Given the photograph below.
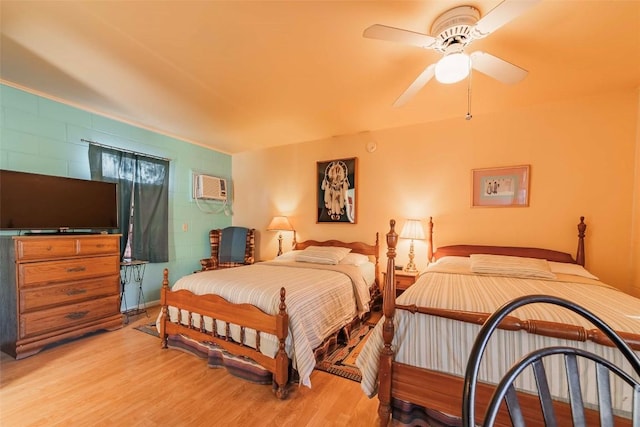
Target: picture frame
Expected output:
[336,187]
[500,186]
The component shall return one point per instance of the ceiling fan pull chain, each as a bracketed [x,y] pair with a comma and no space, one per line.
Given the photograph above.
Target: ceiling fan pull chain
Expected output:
[469,116]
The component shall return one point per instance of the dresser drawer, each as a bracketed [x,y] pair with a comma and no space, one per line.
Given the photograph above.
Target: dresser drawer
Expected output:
[36,298]
[99,245]
[43,248]
[35,248]
[38,273]
[58,318]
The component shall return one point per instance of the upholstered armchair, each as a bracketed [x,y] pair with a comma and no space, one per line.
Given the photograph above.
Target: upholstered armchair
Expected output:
[230,247]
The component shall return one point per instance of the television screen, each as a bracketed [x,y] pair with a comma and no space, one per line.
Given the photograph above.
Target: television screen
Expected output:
[42,202]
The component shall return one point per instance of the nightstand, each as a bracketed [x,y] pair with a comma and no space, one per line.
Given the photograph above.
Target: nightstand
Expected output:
[403,280]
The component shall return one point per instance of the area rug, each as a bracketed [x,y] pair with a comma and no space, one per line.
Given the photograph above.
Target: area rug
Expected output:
[342,361]
[148,329]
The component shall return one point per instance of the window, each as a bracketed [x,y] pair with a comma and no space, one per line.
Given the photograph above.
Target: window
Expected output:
[143,188]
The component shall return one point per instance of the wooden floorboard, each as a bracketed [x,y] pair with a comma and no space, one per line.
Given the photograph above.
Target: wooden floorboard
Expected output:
[123,378]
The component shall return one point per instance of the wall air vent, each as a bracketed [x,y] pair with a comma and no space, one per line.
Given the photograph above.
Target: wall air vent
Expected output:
[209,187]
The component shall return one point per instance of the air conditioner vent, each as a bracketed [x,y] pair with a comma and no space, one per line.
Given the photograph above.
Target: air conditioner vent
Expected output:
[209,187]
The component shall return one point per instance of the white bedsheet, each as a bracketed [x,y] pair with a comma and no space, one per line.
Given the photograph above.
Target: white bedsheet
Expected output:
[444,345]
[320,299]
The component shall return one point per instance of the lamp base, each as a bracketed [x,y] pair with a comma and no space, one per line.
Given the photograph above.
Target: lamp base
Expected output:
[279,244]
[410,268]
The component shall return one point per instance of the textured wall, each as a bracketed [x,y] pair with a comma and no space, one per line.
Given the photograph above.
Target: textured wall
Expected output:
[44,136]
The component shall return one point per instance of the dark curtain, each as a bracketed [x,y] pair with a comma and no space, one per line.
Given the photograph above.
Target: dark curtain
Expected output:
[147,180]
[150,211]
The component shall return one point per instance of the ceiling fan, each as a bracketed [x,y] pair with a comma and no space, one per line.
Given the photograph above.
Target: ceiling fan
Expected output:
[451,33]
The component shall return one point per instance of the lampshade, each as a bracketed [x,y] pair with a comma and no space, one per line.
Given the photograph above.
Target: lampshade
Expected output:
[412,230]
[280,223]
[452,68]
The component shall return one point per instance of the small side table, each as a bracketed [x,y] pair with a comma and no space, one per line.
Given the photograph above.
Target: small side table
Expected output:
[129,270]
[404,280]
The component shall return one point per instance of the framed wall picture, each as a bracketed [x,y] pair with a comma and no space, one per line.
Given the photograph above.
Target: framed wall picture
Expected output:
[500,187]
[336,189]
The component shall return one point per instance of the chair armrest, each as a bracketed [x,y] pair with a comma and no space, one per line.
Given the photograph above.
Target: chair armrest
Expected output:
[209,264]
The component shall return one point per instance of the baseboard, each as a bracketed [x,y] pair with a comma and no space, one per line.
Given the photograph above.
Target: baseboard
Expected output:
[143,306]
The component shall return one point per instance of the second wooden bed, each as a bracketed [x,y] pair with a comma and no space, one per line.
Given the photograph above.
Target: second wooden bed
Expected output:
[436,393]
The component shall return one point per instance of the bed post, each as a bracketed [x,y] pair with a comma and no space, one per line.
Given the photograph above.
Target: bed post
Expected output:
[164,307]
[580,254]
[377,256]
[430,241]
[388,309]
[281,375]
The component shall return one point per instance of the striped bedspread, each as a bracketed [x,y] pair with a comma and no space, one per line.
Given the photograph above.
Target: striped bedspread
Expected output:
[444,345]
[320,300]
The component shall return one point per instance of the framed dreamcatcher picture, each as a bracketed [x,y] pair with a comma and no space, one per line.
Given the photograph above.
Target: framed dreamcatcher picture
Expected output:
[336,191]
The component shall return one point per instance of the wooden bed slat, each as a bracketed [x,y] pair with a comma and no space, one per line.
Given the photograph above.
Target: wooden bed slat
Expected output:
[221,309]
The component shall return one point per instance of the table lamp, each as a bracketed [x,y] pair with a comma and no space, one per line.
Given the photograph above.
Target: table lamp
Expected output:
[412,230]
[280,223]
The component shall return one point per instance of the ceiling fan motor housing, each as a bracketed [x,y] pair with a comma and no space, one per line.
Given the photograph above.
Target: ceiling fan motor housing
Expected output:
[455,27]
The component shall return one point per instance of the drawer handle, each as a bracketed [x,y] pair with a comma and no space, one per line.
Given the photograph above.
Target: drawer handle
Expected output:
[76,291]
[76,315]
[49,247]
[76,269]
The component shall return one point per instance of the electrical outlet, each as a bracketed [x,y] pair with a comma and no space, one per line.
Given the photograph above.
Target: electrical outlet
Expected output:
[185,227]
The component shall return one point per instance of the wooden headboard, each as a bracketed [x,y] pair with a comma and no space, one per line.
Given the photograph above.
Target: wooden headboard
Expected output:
[357,247]
[548,254]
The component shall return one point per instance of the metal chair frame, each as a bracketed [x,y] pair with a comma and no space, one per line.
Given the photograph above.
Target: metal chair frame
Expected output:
[507,391]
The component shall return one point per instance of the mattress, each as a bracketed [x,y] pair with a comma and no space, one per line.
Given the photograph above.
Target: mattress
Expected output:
[444,345]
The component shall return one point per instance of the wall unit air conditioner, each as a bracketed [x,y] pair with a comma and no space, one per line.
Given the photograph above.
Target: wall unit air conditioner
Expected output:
[209,187]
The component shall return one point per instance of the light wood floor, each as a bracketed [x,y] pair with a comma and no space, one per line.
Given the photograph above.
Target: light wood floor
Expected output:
[123,378]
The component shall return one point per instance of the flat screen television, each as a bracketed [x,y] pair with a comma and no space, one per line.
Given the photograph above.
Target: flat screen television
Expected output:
[36,202]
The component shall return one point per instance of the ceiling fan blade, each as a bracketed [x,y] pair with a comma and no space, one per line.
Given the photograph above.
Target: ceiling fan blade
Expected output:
[497,68]
[500,15]
[417,84]
[383,32]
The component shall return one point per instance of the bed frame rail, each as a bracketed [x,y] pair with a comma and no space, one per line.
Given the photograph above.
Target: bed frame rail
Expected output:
[243,315]
[532,326]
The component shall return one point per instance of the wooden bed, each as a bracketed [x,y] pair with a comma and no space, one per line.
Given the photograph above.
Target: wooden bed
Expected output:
[248,317]
[441,393]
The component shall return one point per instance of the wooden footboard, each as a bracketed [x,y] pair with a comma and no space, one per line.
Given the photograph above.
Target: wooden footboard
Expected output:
[443,392]
[243,315]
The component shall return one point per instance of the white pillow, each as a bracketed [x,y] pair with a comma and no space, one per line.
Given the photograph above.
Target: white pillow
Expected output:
[354,259]
[502,265]
[451,261]
[573,269]
[287,256]
[319,257]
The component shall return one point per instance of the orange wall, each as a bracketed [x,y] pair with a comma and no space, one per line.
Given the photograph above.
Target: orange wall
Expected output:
[582,154]
[635,251]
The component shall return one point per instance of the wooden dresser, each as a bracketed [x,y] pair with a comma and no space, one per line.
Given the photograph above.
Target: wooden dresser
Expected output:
[57,287]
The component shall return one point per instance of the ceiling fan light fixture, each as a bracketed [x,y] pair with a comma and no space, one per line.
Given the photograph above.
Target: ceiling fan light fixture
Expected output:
[452,68]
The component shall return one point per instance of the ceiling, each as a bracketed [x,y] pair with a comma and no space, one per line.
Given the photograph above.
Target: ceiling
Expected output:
[244,75]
